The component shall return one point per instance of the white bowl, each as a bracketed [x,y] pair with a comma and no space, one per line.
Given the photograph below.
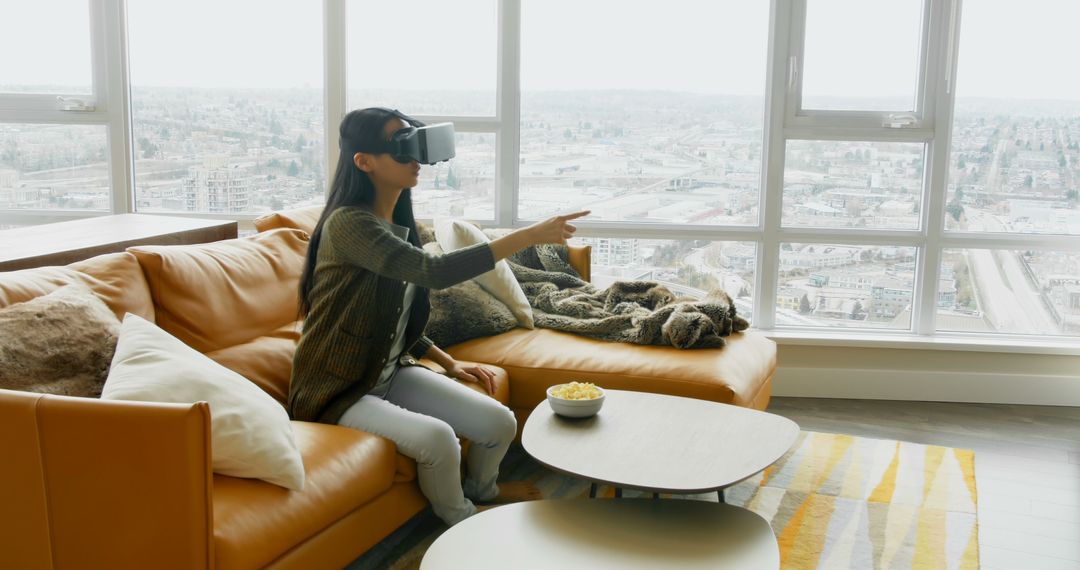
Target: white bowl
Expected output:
[574,408]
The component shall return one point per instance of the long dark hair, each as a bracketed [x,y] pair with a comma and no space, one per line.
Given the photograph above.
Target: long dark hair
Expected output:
[353,187]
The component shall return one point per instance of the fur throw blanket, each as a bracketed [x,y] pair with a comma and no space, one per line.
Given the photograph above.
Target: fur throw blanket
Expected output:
[638,312]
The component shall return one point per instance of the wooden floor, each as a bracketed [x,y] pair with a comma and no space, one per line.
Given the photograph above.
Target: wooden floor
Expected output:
[1027,466]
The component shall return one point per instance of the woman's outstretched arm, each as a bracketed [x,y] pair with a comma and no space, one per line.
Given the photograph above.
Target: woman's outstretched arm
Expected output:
[361,238]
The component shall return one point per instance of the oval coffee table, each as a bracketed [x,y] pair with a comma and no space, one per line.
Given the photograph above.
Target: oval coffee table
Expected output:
[659,443]
[602,534]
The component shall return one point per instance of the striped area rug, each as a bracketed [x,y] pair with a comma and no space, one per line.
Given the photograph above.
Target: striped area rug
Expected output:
[834,501]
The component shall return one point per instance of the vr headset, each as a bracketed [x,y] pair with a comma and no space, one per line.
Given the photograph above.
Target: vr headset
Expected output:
[424,144]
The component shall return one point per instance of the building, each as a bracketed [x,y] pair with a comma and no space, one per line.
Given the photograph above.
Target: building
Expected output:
[216,187]
[889,296]
[617,252]
[791,298]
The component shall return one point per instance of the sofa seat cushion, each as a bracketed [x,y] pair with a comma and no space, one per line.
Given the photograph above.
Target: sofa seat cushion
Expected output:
[256,522]
[267,360]
[224,293]
[115,278]
[538,358]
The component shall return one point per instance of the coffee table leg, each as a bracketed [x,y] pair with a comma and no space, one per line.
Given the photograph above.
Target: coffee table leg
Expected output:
[592,491]
[618,492]
[720,495]
[656,495]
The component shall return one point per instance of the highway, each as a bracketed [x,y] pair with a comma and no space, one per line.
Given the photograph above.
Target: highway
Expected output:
[1005,294]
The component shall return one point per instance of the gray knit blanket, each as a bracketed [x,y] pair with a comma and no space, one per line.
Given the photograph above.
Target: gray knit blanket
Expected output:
[638,312]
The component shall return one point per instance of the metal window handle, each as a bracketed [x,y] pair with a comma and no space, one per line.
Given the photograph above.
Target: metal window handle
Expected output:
[74,104]
[793,73]
[900,120]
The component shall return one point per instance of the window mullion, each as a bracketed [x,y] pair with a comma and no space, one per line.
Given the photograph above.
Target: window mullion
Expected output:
[508,112]
[776,95]
[112,91]
[933,215]
[335,87]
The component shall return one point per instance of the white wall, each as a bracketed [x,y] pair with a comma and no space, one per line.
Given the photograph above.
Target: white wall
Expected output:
[927,375]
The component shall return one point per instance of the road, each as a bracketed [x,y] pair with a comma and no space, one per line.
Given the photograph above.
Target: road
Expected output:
[1005,294]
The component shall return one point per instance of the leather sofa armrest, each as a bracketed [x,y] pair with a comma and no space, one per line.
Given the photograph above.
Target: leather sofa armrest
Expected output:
[580,258]
[104,484]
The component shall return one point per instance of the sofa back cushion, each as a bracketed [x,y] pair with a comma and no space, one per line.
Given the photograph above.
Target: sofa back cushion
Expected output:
[115,278]
[296,218]
[224,293]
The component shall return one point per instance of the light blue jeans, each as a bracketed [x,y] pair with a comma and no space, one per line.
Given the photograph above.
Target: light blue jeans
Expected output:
[423,412]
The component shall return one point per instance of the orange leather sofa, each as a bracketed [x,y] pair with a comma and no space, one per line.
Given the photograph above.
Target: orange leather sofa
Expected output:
[92,483]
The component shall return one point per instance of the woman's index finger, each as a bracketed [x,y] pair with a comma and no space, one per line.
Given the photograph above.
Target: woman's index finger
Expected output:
[577,214]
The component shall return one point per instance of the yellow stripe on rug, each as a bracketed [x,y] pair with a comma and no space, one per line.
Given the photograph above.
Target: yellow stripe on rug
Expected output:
[918,510]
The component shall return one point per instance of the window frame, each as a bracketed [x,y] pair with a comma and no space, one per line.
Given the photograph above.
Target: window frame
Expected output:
[872,121]
[784,120]
[107,105]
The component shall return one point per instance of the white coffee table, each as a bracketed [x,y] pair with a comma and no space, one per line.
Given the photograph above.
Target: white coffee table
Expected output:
[603,534]
[659,443]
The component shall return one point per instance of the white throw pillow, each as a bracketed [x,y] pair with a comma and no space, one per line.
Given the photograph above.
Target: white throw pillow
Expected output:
[250,431]
[500,282]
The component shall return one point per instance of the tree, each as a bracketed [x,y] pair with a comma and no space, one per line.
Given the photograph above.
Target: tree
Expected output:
[856,309]
[955,209]
[1029,181]
[148,148]
[300,143]
[438,182]
[452,179]
[804,305]
[294,170]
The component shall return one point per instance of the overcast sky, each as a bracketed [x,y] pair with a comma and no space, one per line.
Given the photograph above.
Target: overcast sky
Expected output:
[677,45]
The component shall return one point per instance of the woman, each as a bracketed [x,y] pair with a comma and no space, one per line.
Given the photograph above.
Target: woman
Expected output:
[364,297]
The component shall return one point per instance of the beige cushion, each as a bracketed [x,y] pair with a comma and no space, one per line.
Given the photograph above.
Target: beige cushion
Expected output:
[453,235]
[59,343]
[250,433]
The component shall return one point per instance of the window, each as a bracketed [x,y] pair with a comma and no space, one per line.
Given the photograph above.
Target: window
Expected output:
[1033,292]
[60,135]
[45,167]
[843,285]
[666,130]
[435,74]
[853,184]
[46,47]
[861,55]
[689,268]
[1016,133]
[910,171]
[423,57]
[463,187]
[233,122]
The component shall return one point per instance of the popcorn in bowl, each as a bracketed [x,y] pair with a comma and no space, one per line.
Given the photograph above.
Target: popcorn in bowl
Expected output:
[575,399]
[576,391]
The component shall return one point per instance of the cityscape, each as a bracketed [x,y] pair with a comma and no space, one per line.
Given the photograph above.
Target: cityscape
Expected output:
[642,157]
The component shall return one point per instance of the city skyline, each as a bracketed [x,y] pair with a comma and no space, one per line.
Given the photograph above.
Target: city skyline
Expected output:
[645,157]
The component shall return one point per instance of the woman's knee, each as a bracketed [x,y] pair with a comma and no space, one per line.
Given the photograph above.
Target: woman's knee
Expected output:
[438,444]
[503,424]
